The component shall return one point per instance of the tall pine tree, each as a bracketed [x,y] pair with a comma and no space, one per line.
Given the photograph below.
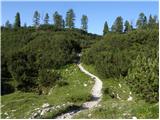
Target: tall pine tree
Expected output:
[36,19]
[46,19]
[58,21]
[70,17]
[84,22]
[17,23]
[118,25]
[105,29]
[128,27]
[142,21]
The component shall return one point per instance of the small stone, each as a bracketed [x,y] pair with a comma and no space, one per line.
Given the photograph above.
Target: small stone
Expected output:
[63,105]
[13,110]
[36,108]
[43,112]
[119,107]
[6,113]
[85,85]
[134,117]
[130,98]
[58,106]
[118,97]
[7,117]
[39,111]
[99,105]
[89,115]
[35,114]
[45,105]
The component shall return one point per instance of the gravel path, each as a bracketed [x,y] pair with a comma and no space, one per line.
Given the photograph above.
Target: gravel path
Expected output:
[96,96]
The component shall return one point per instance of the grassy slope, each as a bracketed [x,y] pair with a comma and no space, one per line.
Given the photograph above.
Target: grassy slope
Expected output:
[21,105]
[114,108]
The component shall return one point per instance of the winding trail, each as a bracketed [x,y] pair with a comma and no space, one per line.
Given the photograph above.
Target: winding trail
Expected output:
[96,96]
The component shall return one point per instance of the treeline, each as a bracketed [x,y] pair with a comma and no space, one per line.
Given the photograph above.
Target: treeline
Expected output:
[58,21]
[131,57]
[120,27]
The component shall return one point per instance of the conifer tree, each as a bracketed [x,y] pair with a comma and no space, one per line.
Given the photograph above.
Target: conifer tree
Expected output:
[84,22]
[36,19]
[70,17]
[58,21]
[105,29]
[17,23]
[127,26]
[46,19]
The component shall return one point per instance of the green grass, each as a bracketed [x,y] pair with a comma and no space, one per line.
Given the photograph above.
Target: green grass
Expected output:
[21,105]
[112,108]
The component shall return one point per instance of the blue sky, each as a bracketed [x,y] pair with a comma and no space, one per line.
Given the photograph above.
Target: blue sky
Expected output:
[97,12]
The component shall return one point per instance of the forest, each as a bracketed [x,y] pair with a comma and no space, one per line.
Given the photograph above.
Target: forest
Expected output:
[31,56]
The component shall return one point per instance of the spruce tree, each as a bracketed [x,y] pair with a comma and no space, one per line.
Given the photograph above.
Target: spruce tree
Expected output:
[36,19]
[17,23]
[46,19]
[127,26]
[70,17]
[8,24]
[105,29]
[152,21]
[63,23]
[58,21]
[142,21]
[84,22]
[118,25]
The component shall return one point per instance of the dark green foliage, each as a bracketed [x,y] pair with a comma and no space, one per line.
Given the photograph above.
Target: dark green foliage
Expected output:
[105,29]
[70,17]
[23,68]
[117,53]
[84,22]
[48,78]
[17,23]
[143,78]
[6,87]
[4,68]
[47,27]
[108,57]
[27,51]
[62,83]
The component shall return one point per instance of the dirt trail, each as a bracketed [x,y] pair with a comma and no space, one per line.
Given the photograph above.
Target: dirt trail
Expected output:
[96,96]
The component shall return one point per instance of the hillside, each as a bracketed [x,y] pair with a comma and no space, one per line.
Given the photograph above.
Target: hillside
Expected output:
[59,71]
[38,67]
[128,67]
